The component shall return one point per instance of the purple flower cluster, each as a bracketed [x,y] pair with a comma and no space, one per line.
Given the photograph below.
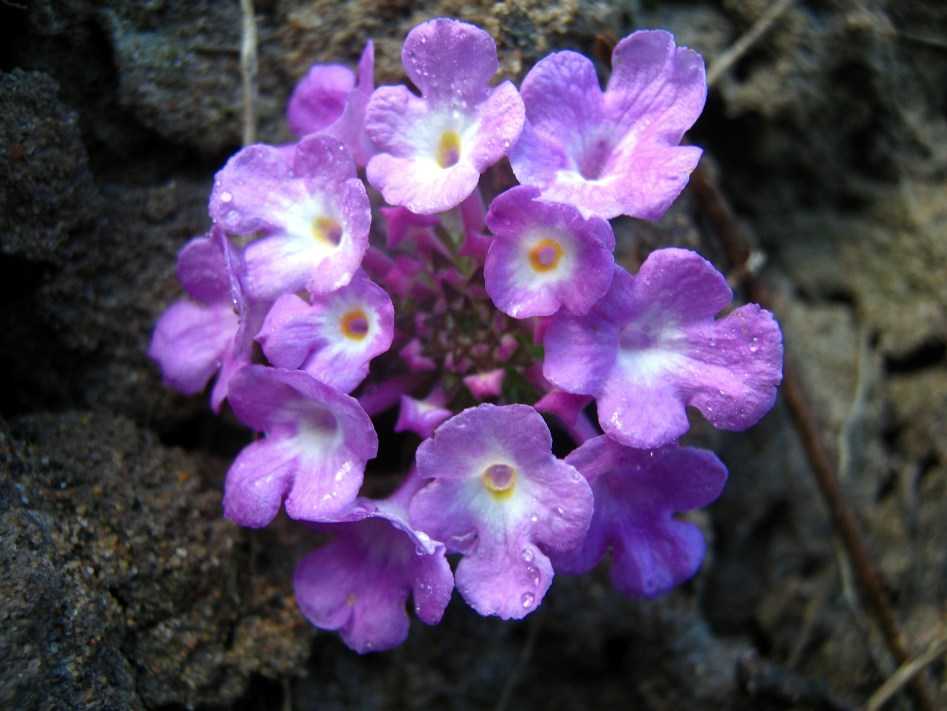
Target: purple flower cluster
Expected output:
[318,309]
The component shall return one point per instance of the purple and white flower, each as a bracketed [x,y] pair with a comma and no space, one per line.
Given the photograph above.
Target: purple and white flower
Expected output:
[313,455]
[334,336]
[651,347]
[545,255]
[612,153]
[536,312]
[433,148]
[637,494]
[310,207]
[500,497]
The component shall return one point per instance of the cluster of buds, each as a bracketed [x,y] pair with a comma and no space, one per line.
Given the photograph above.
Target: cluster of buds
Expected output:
[318,309]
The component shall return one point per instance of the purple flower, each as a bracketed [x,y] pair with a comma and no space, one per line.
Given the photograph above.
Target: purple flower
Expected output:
[613,153]
[651,347]
[637,493]
[422,416]
[314,452]
[189,342]
[334,337]
[545,255]
[213,330]
[433,148]
[497,494]
[311,208]
[359,582]
[486,385]
[329,101]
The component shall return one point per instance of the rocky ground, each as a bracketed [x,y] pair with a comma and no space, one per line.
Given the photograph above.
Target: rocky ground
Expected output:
[121,586]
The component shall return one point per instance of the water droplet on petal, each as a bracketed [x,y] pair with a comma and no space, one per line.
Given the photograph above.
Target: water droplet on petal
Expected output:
[533,574]
[528,599]
[560,511]
[534,518]
[528,555]
[226,197]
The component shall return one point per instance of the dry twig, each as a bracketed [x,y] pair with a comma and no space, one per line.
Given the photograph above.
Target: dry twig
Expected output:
[509,687]
[732,55]
[905,673]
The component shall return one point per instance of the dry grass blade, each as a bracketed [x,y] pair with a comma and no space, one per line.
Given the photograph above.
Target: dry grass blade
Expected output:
[732,55]
[905,673]
[248,69]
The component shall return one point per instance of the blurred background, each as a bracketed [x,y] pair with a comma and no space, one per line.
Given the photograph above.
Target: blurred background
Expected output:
[822,192]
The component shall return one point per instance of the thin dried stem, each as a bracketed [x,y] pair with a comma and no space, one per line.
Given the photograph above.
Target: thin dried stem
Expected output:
[248,71]
[732,55]
[905,673]
[535,622]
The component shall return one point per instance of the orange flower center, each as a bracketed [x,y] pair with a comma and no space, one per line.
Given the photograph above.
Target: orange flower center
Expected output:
[545,255]
[355,325]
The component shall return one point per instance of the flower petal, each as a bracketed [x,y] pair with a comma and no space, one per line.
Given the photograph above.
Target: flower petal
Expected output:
[257,482]
[509,581]
[189,341]
[449,60]
[319,98]
[202,270]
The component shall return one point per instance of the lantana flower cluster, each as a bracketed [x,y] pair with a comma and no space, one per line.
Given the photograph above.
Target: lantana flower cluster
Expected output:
[318,303]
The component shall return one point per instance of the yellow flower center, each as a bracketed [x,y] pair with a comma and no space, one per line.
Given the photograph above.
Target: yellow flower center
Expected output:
[448,149]
[545,255]
[327,230]
[499,480]
[354,325]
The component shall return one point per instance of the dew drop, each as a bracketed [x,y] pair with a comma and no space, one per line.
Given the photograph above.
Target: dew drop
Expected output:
[534,518]
[527,555]
[533,574]
[226,197]
[560,511]
[528,599]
